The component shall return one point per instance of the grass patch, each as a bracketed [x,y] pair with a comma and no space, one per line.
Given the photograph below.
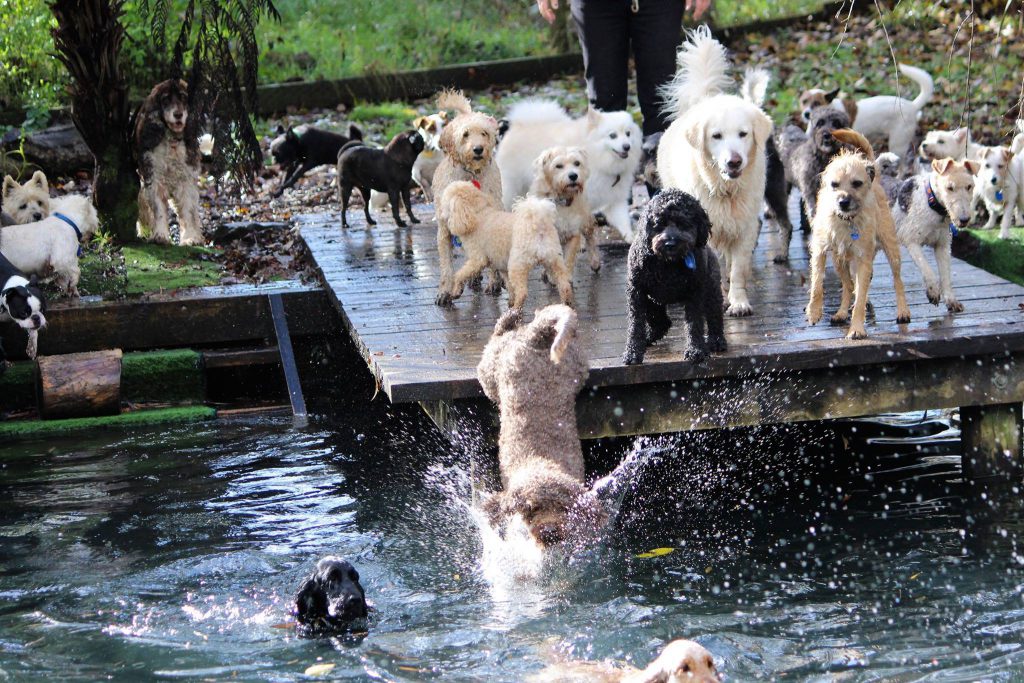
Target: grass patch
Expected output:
[162,376]
[394,117]
[1004,258]
[726,14]
[26,429]
[158,267]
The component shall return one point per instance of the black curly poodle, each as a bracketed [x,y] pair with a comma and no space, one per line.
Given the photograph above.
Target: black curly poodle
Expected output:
[670,263]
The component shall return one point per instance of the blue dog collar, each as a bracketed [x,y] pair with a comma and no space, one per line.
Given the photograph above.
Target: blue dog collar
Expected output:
[690,261]
[999,195]
[74,227]
[953,230]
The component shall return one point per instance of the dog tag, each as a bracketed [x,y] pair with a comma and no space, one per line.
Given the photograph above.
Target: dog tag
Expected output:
[690,261]
[999,195]
[953,231]
[456,242]
[476,183]
[855,233]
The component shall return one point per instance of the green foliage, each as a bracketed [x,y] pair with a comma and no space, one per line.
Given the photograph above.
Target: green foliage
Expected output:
[157,267]
[174,376]
[38,429]
[1004,258]
[735,12]
[29,75]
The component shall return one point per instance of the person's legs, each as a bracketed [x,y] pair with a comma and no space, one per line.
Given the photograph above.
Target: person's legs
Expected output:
[603,27]
[655,32]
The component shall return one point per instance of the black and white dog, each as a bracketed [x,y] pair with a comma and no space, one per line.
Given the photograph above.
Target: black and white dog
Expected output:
[21,302]
[299,150]
[331,597]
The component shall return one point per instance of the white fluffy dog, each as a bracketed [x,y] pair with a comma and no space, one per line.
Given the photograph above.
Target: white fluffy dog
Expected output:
[715,150]
[998,187]
[612,141]
[941,144]
[49,248]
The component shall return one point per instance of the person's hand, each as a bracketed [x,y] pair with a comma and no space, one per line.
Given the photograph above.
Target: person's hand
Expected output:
[547,8]
[698,7]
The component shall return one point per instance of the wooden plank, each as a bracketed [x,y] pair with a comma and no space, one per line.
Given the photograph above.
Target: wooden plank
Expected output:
[383,280]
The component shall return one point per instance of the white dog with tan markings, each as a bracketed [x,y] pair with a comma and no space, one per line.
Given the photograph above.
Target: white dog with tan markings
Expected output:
[930,208]
[715,151]
[561,174]
[997,188]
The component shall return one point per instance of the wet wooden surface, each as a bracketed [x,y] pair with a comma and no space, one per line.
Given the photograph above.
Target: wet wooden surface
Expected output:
[383,282]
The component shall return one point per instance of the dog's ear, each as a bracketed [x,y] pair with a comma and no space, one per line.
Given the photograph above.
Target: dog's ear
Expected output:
[972,166]
[354,133]
[541,161]
[492,123]
[10,186]
[593,118]
[443,114]
[694,132]
[290,135]
[307,600]
[33,280]
[942,166]
[831,94]
[493,506]
[447,141]
[419,121]
[39,180]
[280,130]
[763,127]
[553,328]
[508,321]
[870,168]
[960,135]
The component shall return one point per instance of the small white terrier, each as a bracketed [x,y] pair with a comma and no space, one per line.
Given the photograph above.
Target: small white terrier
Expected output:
[998,187]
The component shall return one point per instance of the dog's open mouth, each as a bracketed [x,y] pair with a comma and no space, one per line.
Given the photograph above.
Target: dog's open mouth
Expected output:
[733,173]
[623,154]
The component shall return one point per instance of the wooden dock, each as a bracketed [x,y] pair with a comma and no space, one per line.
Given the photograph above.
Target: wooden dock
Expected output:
[777,369]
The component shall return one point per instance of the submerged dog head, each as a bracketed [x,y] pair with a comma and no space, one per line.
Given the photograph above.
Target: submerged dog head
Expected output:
[681,661]
[331,597]
[995,166]
[673,224]
[823,121]
[940,144]
[553,506]
[614,133]
[470,138]
[814,98]
[728,132]
[953,184]
[23,302]
[888,164]
[27,203]
[562,171]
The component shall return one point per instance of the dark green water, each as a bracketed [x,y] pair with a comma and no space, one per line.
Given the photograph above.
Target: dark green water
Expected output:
[173,554]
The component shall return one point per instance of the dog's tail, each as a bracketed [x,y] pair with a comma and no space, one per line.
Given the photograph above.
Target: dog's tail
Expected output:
[536,111]
[702,70]
[556,325]
[755,85]
[923,80]
[454,99]
[848,136]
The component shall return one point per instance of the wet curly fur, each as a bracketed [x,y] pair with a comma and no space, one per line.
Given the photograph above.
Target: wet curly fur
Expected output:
[468,142]
[806,156]
[167,149]
[533,372]
[673,225]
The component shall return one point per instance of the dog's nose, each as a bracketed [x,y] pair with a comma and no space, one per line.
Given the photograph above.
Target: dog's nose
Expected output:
[995,181]
[479,149]
[807,115]
[734,161]
[626,147]
[964,220]
[37,216]
[575,176]
[844,203]
[36,320]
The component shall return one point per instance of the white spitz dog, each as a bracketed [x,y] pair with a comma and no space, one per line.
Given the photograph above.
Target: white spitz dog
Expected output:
[612,141]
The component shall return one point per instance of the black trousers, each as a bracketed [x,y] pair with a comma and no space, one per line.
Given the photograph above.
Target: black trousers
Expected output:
[608,29]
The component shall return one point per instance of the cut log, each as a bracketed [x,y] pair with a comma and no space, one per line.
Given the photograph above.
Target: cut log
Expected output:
[79,384]
[58,150]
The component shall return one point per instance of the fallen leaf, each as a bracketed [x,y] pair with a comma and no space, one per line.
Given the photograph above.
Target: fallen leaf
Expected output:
[655,552]
[319,669]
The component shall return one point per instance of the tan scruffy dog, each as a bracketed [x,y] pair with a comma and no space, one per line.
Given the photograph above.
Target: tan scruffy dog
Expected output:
[681,661]
[511,243]
[533,372]
[468,143]
[560,174]
[852,221]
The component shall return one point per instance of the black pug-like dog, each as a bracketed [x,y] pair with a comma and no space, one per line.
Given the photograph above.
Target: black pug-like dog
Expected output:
[386,170]
[299,150]
[670,263]
[331,597]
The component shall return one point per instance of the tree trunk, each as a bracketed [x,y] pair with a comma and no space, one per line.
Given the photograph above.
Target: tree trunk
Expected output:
[116,192]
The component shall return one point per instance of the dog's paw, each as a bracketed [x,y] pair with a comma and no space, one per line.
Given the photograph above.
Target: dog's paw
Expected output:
[370,221]
[839,318]
[934,296]
[858,333]
[475,283]
[780,258]
[443,298]
[717,344]
[954,306]
[413,219]
[401,224]
[632,357]
[595,264]
[695,355]
[813,314]
[739,310]
[493,287]
[903,317]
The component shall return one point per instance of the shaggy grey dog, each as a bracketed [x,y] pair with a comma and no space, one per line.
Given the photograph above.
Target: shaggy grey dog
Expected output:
[888,165]
[670,263]
[533,372]
[805,156]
